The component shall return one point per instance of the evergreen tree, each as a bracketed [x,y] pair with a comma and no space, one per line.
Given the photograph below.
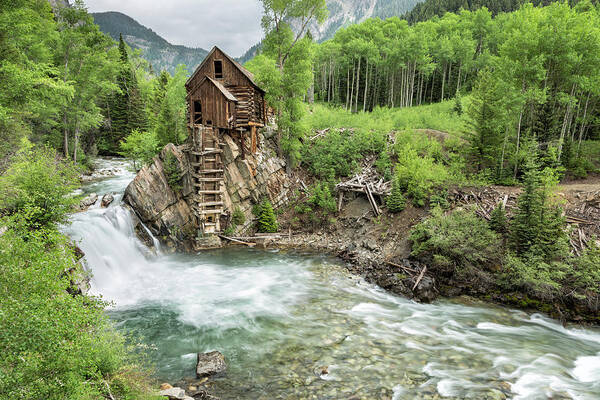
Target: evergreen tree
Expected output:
[267,221]
[498,220]
[538,227]
[127,106]
[396,201]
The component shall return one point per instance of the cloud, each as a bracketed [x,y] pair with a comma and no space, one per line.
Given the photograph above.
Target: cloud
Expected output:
[233,25]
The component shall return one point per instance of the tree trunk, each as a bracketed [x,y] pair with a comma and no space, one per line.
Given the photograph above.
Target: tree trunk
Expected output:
[581,128]
[66,135]
[366,87]
[357,85]
[518,144]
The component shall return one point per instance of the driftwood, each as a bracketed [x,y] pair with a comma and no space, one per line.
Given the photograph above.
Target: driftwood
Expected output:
[407,269]
[421,275]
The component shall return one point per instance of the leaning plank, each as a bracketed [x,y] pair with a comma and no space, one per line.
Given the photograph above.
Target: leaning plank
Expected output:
[421,275]
[237,241]
[372,200]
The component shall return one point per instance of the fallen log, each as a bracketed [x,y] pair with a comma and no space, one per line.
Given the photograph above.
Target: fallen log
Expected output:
[237,241]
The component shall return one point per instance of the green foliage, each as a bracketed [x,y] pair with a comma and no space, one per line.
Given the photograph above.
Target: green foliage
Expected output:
[321,197]
[140,147]
[418,175]
[56,345]
[456,242]
[266,219]
[498,220]
[170,100]
[586,269]
[173,171]
[238,217]
[38,187]
[538,227]
[395,201]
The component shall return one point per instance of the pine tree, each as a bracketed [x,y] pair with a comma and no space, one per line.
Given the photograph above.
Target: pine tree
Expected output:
[267,222]
[498,220]
[127,106]
[396,201]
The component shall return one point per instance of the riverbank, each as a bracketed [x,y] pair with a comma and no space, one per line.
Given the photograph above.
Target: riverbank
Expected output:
[378,249]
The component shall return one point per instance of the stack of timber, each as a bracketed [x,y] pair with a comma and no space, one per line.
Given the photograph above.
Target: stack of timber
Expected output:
[208,177]
[369,182]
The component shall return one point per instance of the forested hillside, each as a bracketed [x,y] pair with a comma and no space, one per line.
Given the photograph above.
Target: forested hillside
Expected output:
[156,50]
[68,91]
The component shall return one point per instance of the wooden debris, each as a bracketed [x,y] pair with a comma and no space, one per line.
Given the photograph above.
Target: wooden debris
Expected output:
[401,266]
[237,241]
[421,275]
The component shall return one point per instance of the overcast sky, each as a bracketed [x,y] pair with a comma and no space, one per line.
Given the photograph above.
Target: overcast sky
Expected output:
[233,25]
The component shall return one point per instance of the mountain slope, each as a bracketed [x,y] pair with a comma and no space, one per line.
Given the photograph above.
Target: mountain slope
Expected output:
[346,12]
[160,53]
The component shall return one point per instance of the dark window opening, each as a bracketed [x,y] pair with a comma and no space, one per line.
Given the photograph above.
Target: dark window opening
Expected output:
[218,69]
[208,122]
[197,112]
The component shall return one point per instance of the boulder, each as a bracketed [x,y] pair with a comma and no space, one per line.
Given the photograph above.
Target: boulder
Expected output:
[173,393]
[107,200]
[89,201]
[165,386]
[426,291]
[210,364]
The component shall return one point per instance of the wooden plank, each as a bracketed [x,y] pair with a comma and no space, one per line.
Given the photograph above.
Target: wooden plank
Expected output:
[211,204]
[372,200]
[237,241]
[210,192]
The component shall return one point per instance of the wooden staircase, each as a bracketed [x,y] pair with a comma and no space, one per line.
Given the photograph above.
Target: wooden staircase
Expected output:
[208,177]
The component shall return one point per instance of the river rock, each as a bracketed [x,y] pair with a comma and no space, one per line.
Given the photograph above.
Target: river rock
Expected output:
[107,199]
[174,393]
[89,201]
[426,291]
[210,364]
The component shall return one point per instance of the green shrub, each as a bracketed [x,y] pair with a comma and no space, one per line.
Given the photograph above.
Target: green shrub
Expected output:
[266,219]
[173,172]
[321,197]
[238,217]
[586,269]
[38,186]
[418,175]
[455,242]
[439,199]
[140,147]
[395,201]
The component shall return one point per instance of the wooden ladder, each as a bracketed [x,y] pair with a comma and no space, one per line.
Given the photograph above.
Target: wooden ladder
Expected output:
[208,177]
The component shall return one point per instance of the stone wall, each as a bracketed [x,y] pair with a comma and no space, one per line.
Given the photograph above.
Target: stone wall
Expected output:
[248,179]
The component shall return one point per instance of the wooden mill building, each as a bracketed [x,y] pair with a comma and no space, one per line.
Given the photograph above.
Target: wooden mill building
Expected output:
[223,99]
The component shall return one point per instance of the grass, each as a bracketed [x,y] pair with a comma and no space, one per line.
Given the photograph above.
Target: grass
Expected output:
[438,116]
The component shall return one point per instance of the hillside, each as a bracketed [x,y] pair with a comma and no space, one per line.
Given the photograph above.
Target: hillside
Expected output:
[347,12]
[430,8]
[160,53]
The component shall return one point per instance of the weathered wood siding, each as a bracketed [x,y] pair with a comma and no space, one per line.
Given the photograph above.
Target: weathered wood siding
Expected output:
[232,76]
[215,106]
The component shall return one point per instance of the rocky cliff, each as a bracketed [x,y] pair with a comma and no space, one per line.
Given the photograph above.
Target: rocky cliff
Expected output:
[168,212]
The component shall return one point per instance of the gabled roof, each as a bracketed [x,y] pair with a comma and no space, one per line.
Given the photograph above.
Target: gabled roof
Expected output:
[243,70]
[222,88]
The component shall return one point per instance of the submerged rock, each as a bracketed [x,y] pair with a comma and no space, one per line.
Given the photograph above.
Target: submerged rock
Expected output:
[210,364]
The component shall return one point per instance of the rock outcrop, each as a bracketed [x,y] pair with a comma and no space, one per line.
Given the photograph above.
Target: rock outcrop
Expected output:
[249,178]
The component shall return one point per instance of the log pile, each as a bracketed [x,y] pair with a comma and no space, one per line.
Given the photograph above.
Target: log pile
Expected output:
[368,182]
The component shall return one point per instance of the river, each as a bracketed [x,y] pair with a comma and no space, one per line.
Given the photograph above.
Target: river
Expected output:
[282,318]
